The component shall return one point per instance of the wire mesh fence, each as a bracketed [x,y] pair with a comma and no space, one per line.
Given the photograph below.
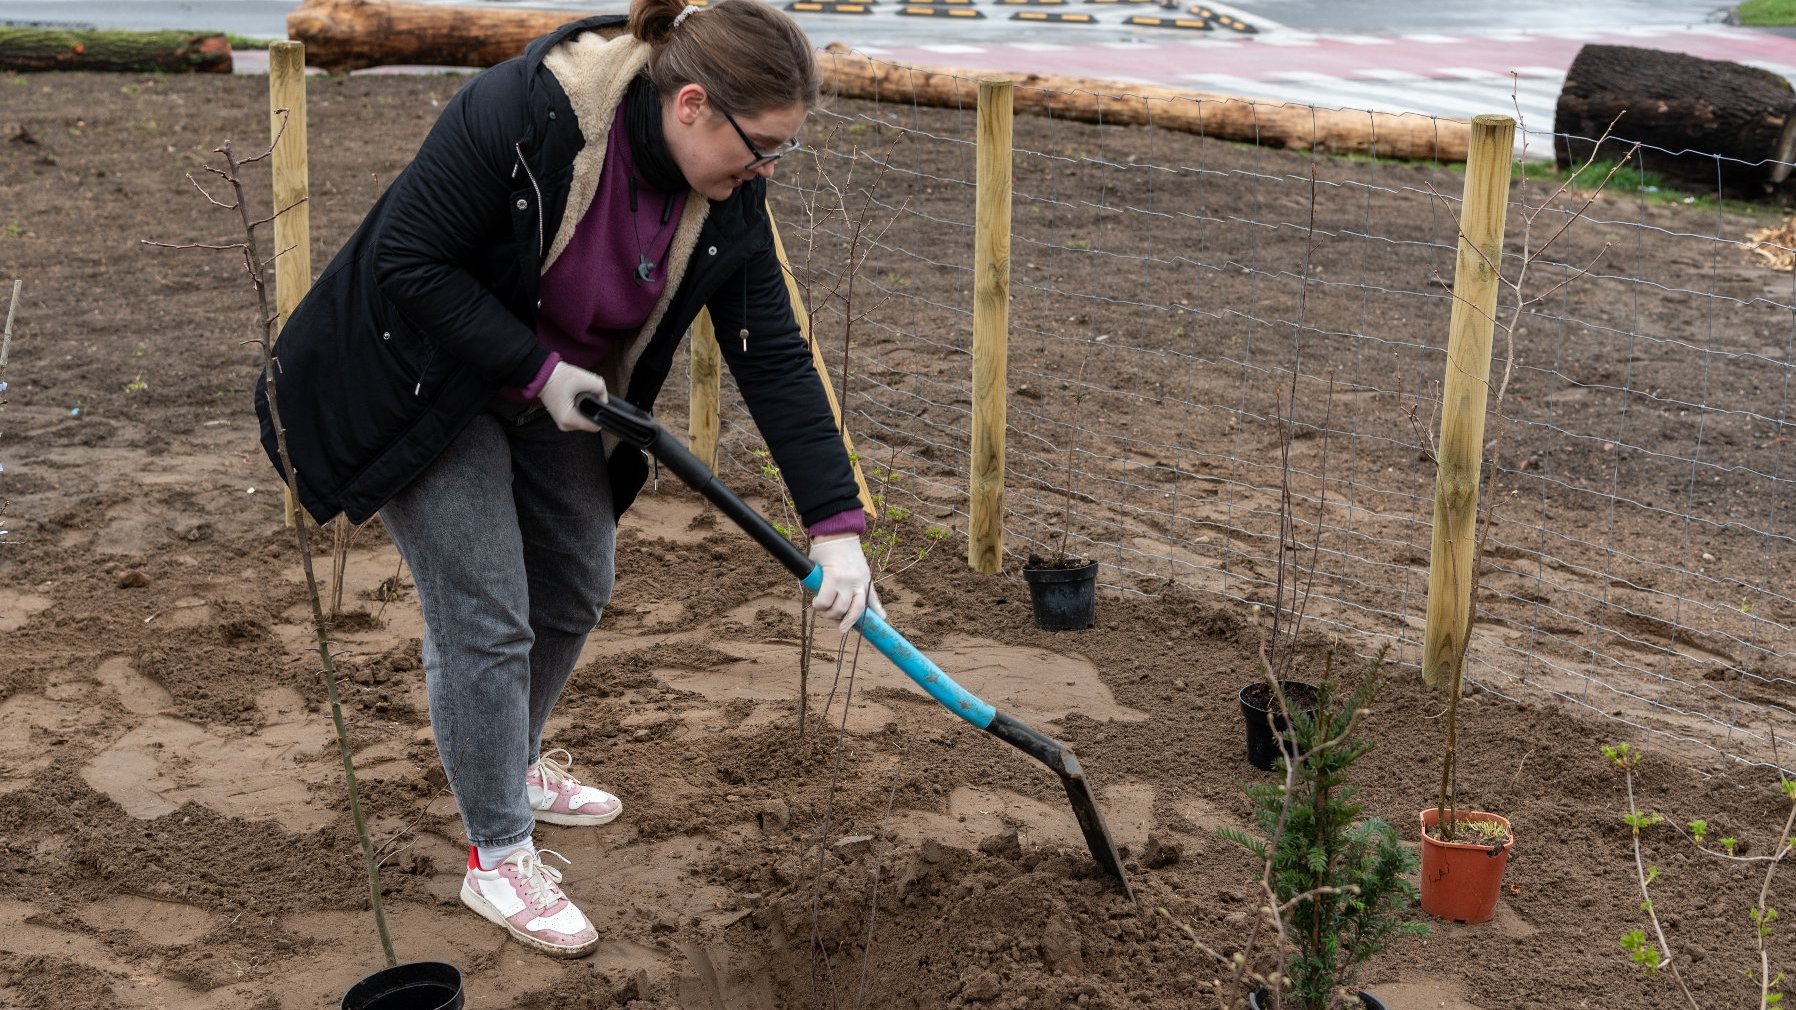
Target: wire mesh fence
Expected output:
[1180,303]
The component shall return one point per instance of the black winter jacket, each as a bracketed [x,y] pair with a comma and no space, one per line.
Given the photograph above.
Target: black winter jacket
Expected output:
[430,307]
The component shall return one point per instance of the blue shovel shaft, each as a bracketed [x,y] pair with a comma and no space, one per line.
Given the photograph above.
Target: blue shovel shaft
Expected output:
[636,427]
[915,665]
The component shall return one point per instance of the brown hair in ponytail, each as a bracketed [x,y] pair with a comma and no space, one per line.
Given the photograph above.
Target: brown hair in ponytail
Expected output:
[748,56]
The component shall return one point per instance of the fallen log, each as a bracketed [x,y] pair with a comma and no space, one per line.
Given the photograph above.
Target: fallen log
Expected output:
[1407,136]
[1702,123]
[99,49]
[344,35]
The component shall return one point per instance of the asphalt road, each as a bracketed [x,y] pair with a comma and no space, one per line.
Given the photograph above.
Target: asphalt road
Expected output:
[1396,17]
[1379,17]
[1448,58]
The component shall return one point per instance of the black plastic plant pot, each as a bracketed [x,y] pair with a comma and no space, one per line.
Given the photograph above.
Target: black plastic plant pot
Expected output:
[1256,701]
[420,985]
[1064,599]
[1260,1001]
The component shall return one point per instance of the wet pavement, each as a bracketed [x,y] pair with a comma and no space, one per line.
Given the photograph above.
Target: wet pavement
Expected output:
[1396,17]
[884,27]
[1450,58]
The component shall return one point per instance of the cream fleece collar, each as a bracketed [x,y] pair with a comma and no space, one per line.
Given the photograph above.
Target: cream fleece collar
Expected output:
[595,72]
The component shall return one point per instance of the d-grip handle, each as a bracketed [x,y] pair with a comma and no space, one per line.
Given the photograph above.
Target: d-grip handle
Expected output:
[635,426]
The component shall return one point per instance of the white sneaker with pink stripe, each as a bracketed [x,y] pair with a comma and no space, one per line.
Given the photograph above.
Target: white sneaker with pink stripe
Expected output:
[524,896]
[557,797]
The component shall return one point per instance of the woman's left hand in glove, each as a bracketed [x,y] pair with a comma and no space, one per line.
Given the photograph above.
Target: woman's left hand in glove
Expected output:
[847,588]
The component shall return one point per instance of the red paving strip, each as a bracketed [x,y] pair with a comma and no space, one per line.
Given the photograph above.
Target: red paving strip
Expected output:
[1169,61]
[1275,56]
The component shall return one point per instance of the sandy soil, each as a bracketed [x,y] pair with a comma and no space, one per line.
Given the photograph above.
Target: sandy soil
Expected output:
[173,829]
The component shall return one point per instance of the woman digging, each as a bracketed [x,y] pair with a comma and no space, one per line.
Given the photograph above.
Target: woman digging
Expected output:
[565,220]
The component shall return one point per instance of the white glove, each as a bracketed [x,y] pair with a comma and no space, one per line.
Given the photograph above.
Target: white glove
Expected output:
[565,383]
[847,583]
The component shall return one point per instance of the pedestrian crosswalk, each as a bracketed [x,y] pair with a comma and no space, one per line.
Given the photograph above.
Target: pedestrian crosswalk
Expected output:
[1455,76]
[1517,73]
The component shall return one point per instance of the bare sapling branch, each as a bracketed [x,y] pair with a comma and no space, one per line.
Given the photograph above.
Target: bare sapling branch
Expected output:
[1277,663]
[12,310]
[1309,585]
[819,950]
[406,837]
[1067,512]
[793,530]
[802,281]
[233,176]
[1426,443]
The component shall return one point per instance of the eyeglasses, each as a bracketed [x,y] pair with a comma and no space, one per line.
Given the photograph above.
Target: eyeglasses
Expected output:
[760,158]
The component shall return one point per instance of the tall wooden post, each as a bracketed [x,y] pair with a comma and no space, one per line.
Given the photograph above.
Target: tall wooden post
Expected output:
[1464,394]
[292,227]
[702,399]
[991,324]
[829,390]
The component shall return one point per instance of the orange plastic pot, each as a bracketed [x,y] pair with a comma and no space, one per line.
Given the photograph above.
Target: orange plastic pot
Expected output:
[1460,881]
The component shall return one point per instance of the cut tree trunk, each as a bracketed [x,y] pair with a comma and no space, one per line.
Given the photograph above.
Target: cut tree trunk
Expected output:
[1407,136]
[344,35]
[135,52]
[1703,123]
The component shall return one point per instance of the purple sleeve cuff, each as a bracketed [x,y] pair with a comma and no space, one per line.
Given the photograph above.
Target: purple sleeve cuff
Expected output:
[852,521]
[535,389]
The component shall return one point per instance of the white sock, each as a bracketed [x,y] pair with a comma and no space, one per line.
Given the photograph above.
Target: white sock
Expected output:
[491,856]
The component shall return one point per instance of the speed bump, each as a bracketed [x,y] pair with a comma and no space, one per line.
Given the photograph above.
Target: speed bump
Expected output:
[829,7]
[1233,24]
[1149,21]
[939,11]
[1062,16]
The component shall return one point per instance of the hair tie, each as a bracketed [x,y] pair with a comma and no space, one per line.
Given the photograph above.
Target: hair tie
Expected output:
[683,15]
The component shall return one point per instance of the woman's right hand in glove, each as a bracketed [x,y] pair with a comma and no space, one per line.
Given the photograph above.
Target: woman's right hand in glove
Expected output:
[566,383]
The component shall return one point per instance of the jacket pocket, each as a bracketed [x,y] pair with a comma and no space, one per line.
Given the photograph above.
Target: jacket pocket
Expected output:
[409,354]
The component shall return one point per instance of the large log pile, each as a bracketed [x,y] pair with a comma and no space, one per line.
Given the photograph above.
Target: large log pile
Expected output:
[137,52]
[344,35]
[1702,123]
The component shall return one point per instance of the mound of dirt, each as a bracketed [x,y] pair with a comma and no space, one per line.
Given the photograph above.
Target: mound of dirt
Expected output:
[173,828]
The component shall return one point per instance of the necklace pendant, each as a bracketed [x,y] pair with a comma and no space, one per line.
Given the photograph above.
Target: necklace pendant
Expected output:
[644,267]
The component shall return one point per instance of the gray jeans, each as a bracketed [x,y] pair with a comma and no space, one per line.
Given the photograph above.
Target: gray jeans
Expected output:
[510,539]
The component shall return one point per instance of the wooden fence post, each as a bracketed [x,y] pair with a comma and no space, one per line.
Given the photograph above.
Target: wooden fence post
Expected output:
[991,324]
[1464,394]
[701,402]
[292,223]
[829,390]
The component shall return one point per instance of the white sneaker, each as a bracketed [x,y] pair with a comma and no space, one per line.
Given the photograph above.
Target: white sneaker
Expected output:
[524,896]
[557,797]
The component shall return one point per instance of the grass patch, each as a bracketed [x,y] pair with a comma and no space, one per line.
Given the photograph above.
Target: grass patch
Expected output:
[1767,12]
[246,41]
[1628,181]
[1631,180]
